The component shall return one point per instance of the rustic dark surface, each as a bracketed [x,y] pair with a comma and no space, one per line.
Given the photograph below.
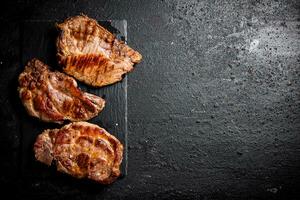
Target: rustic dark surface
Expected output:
[213,109]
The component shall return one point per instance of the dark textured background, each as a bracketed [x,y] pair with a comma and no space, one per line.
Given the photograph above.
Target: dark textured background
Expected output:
[213,109]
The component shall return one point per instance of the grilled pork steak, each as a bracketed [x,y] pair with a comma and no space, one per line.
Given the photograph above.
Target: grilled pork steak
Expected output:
[54,96]
[82,150]
[92,54]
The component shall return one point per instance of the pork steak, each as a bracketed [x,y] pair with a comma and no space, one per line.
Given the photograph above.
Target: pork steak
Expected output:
[90,53]
[83,150]
[54,96]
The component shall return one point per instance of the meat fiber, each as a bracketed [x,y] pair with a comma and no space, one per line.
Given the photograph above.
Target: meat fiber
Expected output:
[54,96]
[92,54]
[82,150]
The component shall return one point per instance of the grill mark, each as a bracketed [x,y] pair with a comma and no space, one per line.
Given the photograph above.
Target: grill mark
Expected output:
[68,107]
[97,77]
[98,66]
[80,140]
[86,60]
[73,92]
[76,108]
[62,137]
[94,29]
[89,131]
[89,105]
[105,67]
[50,97]
[43,105]
[85,35]
[82,161]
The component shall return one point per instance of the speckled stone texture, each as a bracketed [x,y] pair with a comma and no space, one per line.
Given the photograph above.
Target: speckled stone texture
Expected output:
[213,109]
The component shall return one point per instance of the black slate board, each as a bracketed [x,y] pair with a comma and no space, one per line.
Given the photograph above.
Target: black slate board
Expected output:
[38,41]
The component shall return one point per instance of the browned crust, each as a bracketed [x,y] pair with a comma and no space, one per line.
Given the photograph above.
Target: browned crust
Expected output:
[43,147]
[94,67]
[82,150]
[55,97]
